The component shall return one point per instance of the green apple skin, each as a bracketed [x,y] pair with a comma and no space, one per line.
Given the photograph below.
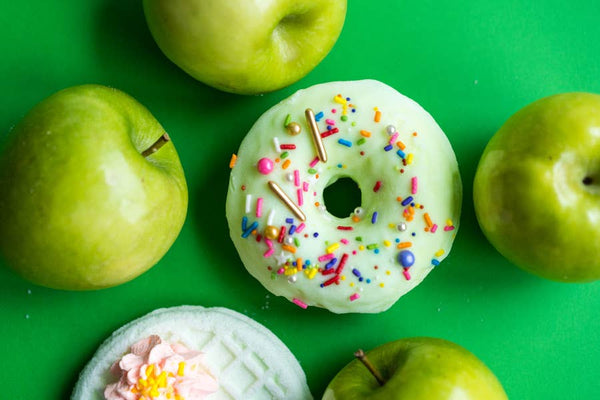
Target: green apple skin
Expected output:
[80,207]
[420,368]
[246,46]
[537,188]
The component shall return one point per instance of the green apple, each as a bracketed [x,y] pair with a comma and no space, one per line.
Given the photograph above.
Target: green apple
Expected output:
[416,369]
[246,46]
[93,193]
[537,188]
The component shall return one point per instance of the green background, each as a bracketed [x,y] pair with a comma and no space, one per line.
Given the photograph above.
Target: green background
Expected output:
[471,64]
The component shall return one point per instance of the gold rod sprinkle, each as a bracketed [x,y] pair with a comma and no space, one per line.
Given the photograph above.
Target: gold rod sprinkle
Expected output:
[287,201]
[316,135]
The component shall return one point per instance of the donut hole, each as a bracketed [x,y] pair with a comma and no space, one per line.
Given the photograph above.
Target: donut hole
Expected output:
[341,196]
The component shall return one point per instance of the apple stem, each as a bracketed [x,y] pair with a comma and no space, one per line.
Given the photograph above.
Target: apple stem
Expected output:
[360,354]
[156,145]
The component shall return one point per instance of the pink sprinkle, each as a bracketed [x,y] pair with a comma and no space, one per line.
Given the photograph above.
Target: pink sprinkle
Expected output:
[344,241]
[406,274]
[393,138]
[355,296]
[269,252]
[259,205]
[296,177]
[300,227]
[333,110]
[300,197]
[329,121]
[434,228]
[413,185]
[326,257]
[300,303]
[314,162]
[281,270]
[377,186]
[305,186]
[448,228]
[269,242]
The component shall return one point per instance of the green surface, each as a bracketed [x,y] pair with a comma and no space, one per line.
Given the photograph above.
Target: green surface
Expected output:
[471,64]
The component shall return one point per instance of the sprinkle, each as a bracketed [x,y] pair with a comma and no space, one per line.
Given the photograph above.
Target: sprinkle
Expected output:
[413,185]
[439,253]
[434,228]
[372,246]
[284,155]
[314,162]
[448,228]
[345,142]
[287,146]
[326,257]
[400,145]
[288,248]
[286,164]
[377,186]
[259,206]
[305,186]
[289,220]
[286,200]
[232,160]
[296,177]
[244,222]
[296,241]
[311,272]
[300,303]
[449,222]
[248,231]
[404,245]
[401,153]
[288,119]
[361,141]
[339,99]
[276,144]
[269,242]
[300,227]
[435,262]
[406,274]
[319,116]
[300,197]
[331,263]
[409,158]
[248,203]
[356,273]
[315,134]
[269,252]
[343,261]
[292,230]
[407,201]
[329,132]
[387,243]
[388,147]
[365,133]
[331,281]
[312,171]
[377,115]
[281,234]
[344,241]
[345,228]
[393,138]
[354,296]
[329,121]
[374,217]
[331,248]
[427,220]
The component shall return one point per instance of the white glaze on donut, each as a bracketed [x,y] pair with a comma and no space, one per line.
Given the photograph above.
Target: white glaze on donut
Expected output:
[391,148]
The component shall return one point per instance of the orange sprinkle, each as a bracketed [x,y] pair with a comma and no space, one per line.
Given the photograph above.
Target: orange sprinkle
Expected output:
[299,264]
[377,115]
[414,133]
[317,204]
[233,160]
[317,176]
[277,160]
[365,133]
[404,245]
[355,218]
[401,145]
[428,220]
[398,198]
[288,248]
[285,164]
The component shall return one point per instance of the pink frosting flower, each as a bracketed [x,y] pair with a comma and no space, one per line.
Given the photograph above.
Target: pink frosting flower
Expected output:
[158,370]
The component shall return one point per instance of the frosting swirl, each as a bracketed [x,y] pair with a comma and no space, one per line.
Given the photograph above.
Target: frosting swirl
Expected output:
[157,370]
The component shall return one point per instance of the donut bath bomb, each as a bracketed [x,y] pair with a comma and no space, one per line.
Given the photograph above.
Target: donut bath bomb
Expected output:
[191,353]
[409,208]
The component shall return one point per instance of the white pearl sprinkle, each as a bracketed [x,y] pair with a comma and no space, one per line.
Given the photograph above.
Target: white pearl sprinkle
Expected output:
[390,129]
